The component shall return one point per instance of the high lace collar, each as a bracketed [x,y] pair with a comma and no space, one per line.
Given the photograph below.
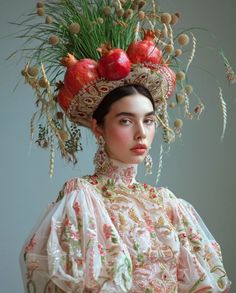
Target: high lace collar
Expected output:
[118,171]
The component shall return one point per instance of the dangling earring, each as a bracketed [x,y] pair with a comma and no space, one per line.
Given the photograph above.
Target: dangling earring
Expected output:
[148,164]
[100,156]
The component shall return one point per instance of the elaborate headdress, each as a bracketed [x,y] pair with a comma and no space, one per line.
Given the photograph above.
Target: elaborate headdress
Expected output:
[104,44]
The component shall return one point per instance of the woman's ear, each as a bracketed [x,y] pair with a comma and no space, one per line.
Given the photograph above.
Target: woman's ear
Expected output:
[96,129]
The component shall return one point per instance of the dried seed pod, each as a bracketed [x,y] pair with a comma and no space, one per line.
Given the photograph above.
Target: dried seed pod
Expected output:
[40,11]
[33,71]
[120,12]
[39,5]
[53,40]
[180,75]
[43,82]
[183,39]
[74,28]
[166,18]
[178,123]
[169,49]
[178,52]
[141,3]
[172,105]
[128,13]
[174,19]
[107,10]
[180,98]
[188,89]
[177,14]
[100,20]
[48,19]
[141,15]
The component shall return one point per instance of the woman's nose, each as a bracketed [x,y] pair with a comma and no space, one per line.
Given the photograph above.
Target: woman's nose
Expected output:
[140,132]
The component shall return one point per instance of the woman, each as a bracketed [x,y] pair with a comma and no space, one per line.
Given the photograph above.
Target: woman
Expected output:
[109,233]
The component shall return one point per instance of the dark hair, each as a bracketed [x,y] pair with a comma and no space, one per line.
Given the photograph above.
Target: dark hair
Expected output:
[117,94]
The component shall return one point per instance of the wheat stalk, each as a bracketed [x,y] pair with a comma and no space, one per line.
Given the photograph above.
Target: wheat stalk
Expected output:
[192,53]
[224,110]
[160,164]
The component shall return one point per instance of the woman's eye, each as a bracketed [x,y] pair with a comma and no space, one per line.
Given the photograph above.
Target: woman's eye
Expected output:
[125,122]
[149,121]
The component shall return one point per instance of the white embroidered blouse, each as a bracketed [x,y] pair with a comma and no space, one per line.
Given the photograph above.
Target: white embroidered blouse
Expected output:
[109,233]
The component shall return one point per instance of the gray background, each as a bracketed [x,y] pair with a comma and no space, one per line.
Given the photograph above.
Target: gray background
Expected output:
[199,168]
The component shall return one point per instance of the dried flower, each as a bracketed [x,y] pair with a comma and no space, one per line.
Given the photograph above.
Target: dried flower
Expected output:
[33,71]
[180,75]
[141,3]
[53,40]
[180,98]
[178,123]
[100,20]
[141,15]
[107,10]
[169,49]
[183,39]
[43,82]
[74,28]
[188,89]
[48,19]
[40,11]
[177,14]
[174,19]
[128,13]
[178,52]
[120,12]
[39,5]
[166,18]
[172,105]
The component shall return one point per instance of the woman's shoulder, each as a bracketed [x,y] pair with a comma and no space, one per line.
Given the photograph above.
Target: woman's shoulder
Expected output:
[75,184]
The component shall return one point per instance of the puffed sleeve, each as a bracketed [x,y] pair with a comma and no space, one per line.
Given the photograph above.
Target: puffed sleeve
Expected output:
[76,247]
[200,266]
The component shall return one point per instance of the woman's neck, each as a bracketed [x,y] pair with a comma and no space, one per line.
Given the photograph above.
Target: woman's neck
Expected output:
[120,172]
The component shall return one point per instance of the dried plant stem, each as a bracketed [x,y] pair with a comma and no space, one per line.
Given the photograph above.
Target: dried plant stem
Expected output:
[192,53]
[224,111]
[160,164]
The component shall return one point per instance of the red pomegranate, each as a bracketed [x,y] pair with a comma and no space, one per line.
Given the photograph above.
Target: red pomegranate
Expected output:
[169,75]
[64,96]
[79,72]
[114,64]
[145,51]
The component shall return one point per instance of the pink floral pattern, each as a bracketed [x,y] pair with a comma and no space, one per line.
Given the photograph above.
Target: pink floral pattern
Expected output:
[109,233]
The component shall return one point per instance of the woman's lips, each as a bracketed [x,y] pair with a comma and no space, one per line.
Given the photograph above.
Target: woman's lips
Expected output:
[139,149]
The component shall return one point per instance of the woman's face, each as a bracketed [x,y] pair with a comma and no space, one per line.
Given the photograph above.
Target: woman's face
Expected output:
[129,129]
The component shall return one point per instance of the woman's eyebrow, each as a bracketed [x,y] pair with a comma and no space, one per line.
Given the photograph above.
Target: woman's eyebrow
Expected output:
[133,114]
